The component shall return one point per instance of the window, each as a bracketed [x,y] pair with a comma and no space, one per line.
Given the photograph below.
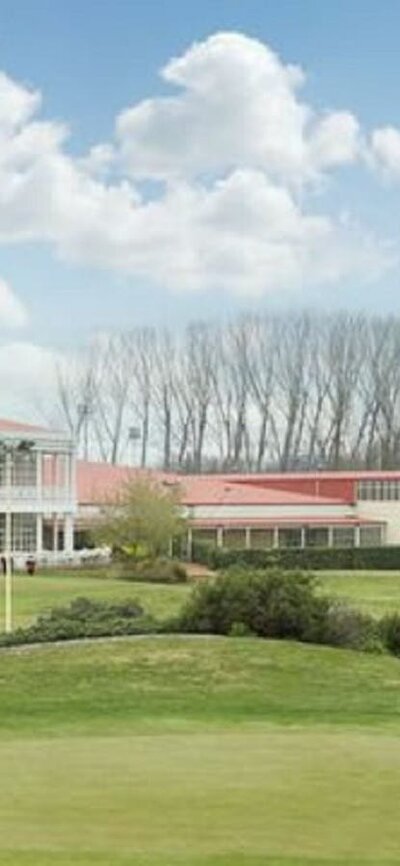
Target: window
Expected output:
[290,537]
[23,532]
[343,536]
[262,538]
[24,470]
[205,536]
[317,536]
[370,536]
[234,538]
[379,491]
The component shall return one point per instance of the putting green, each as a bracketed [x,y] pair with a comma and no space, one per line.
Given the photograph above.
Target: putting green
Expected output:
[198,752]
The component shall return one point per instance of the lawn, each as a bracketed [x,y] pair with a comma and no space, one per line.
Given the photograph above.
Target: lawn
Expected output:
[198,752]
[374,592]
[34,595]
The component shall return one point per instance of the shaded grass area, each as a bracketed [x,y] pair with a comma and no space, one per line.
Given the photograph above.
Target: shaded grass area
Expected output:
[198,752]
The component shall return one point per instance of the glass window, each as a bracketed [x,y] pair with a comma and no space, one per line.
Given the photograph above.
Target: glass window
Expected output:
[379,491]
[24,470]
[234,538]
[23,532]
[290,537]
[370,536]
[205,536]
[262,538]
[343,536]
[317,536]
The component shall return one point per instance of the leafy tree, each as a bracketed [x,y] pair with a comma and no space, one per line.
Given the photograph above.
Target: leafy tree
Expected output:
[141,520]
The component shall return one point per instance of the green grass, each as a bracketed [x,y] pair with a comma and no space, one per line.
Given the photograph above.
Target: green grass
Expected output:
[198,752]
[34,595]
[374,592]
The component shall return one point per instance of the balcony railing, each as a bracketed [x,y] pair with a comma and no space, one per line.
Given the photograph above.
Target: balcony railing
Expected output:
[35,496]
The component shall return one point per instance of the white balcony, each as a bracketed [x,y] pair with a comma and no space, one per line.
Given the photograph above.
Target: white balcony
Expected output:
[44,500]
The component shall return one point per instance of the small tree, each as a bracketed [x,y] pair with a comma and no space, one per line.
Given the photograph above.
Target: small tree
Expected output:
[142,520]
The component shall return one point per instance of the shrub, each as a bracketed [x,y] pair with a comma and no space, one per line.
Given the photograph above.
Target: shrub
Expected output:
[275,604]
[313,558]
[271,604]
[389,628]
[84,618]
[161,570]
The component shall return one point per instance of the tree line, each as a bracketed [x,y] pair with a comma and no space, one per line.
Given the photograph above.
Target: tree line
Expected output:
[273,391]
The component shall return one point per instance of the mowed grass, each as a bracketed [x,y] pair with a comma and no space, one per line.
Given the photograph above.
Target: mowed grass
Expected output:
[34,595]
[377,593]
[198,752]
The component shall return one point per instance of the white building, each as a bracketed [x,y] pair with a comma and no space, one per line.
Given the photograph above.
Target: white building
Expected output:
[37,492]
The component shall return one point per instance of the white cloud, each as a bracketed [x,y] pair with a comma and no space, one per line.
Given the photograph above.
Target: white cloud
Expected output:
[232,149]
[239,108]
[27,380]
[385,151]
[13,313]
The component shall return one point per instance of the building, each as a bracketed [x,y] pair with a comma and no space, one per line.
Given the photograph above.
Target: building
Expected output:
[323,509]
[37,491]
[51,500]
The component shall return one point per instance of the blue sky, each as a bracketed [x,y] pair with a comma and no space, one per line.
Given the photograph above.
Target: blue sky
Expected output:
[92,60]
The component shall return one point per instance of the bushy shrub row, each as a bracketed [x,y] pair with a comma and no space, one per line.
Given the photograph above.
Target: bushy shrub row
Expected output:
[275,604]
[84,618]
[268,604]
[313,558]
[161,570]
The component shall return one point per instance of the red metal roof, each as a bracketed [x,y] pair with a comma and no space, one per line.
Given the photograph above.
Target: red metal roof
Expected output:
[217,490]
[270,523]
[8,426]
[99,481]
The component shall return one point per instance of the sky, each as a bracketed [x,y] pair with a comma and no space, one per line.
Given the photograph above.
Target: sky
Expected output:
[163,162]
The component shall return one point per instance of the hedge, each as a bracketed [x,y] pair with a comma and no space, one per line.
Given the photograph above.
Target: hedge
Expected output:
[313,558]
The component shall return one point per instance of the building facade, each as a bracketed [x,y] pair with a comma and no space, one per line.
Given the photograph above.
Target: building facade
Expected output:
[48,501]
[37,492]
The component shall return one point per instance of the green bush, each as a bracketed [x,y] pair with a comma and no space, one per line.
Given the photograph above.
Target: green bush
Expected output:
[84,618]
[312,558]
[389,628]
[274,604]
[161,570]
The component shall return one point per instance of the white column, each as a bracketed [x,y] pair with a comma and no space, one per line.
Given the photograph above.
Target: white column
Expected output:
[303,537]
[39,534]
[189,543]
[39,474]
[330,536]
[55,533]
[276,537]
[220,537]
[248,538]
[68,533]
[357,535]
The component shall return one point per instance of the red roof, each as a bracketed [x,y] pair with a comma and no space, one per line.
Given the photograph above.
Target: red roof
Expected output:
[99,481]
[269,523]
[8,426]
[217,490]
[324,475]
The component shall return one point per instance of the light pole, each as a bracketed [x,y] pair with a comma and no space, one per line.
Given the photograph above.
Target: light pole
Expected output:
[8,449]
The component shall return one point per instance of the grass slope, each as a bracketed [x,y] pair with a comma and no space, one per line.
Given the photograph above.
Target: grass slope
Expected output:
[374,592]
[198,752]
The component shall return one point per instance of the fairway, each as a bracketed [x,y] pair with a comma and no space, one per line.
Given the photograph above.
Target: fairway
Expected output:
[34,595]
[373,592]
[199,752]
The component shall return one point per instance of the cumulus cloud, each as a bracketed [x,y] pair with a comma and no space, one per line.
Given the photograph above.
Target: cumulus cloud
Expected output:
[233,151]
[13,313]
[385,150]
[238,106]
